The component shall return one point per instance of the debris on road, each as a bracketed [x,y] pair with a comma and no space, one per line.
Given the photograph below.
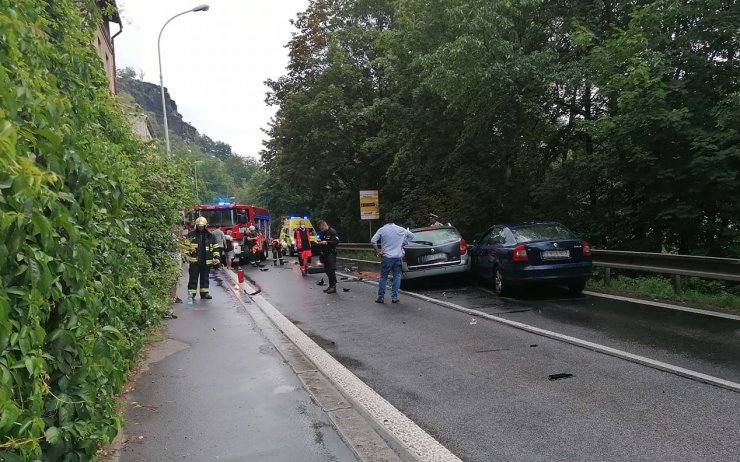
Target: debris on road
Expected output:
[345,289]
[559,376]
[321,282]
[473,322]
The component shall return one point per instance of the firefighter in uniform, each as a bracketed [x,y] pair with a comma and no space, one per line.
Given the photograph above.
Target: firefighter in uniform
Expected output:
[276,245]
[204,254]
[253,242]
[303,246]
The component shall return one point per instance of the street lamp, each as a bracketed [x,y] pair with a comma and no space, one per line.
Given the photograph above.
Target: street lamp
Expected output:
[203,7]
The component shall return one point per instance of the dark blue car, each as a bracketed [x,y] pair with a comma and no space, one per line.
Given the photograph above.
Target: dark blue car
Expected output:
[521,253]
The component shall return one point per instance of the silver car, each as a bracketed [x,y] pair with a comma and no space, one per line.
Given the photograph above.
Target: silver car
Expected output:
[435,251]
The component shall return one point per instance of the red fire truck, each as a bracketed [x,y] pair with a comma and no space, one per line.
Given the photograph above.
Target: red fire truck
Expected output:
[227,215]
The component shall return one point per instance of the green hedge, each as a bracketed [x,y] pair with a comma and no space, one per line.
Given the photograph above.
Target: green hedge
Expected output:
[86,217]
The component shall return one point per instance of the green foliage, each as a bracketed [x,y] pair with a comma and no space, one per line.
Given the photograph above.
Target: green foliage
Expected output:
[86,215]
[617,118]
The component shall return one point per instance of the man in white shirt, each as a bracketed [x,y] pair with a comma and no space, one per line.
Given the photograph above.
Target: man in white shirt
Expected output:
[388,243]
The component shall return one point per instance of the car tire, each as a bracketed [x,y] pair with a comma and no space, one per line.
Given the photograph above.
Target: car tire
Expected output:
[576,287]
[499,283]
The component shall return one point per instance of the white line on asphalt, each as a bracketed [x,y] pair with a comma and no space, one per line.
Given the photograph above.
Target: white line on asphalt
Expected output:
[693,375]
[644,302]
[418,442]
[664,305]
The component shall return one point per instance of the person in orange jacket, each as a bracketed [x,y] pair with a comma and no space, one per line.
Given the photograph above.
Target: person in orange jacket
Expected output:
[303,246]
[253,244]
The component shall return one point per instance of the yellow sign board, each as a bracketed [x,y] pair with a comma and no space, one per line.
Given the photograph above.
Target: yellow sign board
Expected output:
[369,205]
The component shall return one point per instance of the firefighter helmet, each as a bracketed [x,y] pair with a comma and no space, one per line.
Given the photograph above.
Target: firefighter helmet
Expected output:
[201,221]
[252,228]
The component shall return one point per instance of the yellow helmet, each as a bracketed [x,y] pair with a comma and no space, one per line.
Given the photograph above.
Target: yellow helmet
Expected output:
[201,221]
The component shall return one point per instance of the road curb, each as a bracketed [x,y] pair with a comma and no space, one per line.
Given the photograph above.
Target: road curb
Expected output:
[402,433]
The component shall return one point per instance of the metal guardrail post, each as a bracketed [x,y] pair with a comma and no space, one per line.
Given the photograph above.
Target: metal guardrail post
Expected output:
[677,283]
[607,277]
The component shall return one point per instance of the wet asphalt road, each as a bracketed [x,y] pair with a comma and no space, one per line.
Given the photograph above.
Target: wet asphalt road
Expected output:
[482,388]
[701,343]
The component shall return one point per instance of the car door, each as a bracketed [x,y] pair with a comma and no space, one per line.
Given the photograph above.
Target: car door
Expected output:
[486,251]
[496,244]
[476,249]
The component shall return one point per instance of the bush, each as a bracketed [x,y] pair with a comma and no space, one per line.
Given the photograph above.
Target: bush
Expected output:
[86,215]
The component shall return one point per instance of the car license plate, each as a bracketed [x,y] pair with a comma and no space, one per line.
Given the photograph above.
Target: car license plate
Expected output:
[432,258]
[555,254]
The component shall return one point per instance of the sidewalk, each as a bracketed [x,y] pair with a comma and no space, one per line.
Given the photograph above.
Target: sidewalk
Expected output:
[217,389]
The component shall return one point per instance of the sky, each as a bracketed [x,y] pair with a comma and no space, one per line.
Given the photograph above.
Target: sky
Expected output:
[215,62]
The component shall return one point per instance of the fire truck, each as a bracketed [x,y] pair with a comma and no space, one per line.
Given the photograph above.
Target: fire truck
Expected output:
[225,215]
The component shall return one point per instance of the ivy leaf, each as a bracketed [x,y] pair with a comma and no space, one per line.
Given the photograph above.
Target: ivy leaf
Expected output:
[53,435]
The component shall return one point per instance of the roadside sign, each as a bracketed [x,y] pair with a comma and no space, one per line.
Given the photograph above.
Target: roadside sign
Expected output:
[369,205]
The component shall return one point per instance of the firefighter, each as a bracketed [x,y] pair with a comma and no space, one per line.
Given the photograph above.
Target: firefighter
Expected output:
[253,244]
[204,253]
[303,246]
[277,251]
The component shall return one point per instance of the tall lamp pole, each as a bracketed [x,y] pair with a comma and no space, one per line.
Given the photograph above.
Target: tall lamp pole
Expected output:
[203,7]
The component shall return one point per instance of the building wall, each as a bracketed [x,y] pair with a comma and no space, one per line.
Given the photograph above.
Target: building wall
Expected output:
[104,45]
[140,125]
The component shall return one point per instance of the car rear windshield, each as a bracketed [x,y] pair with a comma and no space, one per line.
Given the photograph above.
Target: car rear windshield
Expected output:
[544,232]
[436,236]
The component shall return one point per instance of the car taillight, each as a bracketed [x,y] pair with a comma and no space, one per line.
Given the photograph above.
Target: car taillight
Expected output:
[586,249]
[520,253]
[463,247]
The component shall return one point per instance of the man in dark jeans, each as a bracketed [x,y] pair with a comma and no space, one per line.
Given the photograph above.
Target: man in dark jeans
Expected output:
[328,244]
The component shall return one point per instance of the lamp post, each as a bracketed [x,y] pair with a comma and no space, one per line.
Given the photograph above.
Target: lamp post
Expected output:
[203,7]
[197,194]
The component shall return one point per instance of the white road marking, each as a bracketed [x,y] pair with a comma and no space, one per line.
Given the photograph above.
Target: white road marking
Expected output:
[664,305]
[645,361]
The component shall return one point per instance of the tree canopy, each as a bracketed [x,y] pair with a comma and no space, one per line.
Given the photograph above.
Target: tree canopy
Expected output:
[617,118]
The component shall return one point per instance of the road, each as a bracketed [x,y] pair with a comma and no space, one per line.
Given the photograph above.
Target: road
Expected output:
[483,390]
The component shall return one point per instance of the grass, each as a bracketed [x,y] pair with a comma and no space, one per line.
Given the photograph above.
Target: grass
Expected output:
[359,255]
[695,292]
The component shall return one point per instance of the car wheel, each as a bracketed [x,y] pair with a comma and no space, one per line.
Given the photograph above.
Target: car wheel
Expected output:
[577,287]
[499,283]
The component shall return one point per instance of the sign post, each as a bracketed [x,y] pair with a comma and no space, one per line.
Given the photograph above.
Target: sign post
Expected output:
[369,208]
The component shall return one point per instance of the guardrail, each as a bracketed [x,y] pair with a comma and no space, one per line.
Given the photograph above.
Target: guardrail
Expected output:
[727,269]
